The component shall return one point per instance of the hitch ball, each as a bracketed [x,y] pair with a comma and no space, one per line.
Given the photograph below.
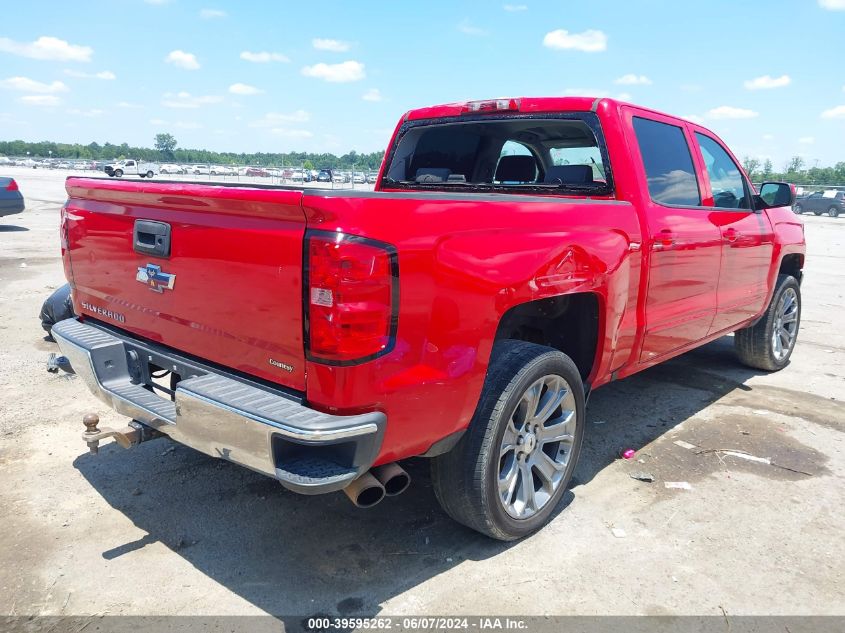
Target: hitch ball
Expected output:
[91,421]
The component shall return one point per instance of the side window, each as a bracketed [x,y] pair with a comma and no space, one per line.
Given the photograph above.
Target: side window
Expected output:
[668,163]
[726,180]
[590,155]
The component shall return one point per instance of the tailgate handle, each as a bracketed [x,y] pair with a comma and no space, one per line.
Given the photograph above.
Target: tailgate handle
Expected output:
[151,238]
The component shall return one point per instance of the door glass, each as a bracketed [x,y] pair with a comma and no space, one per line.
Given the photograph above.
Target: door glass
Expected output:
[726,180]
[668,163]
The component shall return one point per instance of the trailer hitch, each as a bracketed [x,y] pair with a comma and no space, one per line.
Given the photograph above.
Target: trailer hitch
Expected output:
[131,435]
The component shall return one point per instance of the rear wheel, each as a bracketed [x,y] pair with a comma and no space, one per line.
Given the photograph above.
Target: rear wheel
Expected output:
[768,344]
[798,209]
[833,211]
[508,473]
[817,212]
[150,174]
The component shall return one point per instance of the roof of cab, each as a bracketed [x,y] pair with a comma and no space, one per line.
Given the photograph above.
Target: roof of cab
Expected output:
[529,105]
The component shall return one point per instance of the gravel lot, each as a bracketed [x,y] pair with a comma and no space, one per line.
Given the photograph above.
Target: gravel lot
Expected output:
[164,530]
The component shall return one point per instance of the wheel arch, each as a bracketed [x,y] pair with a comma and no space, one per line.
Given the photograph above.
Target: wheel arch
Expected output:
[569,323]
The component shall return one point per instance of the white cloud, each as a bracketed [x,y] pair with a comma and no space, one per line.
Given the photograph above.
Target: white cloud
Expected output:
[211,14]
[832,5]
[264,57]
[513,8]
[768,137]
[188,61]
[807,140]
[87,113]
[104,74]
[275,119]
[244,89]
[469,29]
[127,104]
[633,80]
[41,100]
[767,83]
[336,73]
[624,96]
[834,113]
[187,100]
[291,133]
[47,48]
[334,46]
[373,94]
[25,84]
[729,112]
[158,122]
[693,118]
[590,41]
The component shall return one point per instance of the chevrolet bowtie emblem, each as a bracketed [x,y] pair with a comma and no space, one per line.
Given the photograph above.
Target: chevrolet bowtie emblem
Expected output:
[157,281]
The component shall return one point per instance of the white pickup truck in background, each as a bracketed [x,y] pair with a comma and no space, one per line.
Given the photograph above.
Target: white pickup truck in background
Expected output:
[131,167]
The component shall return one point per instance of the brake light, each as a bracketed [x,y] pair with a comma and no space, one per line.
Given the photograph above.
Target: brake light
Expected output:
[352,298]
[493,105]
[12,186]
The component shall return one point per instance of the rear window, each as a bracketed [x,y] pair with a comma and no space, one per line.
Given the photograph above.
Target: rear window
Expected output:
[529,154]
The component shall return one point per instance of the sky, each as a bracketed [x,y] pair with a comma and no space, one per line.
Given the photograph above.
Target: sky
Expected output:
[332,76]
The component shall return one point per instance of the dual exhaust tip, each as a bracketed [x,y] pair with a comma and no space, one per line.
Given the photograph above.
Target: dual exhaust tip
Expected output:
[371,487]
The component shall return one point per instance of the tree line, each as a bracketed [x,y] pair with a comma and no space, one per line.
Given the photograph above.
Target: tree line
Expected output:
[794,171]
[166,151]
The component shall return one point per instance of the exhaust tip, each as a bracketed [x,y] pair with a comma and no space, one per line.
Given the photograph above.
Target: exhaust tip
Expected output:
[393,477]
[365,492]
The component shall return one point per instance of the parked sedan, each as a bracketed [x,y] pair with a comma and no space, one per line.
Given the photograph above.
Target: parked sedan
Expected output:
[256,171]
[325,175]
[830,202]
[11,199]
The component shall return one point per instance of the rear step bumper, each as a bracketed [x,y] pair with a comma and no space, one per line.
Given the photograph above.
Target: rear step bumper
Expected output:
[220,415]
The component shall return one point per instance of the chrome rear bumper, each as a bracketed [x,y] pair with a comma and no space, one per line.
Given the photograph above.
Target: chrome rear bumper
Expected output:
[223,416]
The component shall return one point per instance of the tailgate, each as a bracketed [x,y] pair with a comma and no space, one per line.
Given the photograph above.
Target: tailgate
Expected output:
[230,289]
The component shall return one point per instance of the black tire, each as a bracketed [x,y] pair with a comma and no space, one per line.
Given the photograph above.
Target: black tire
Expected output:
[465,479]
[57,307]
[754,345]
[142,175]
[833,211]
[798,209]
[817,212]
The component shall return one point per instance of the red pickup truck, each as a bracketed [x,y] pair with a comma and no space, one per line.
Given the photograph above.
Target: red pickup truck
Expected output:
[515,254]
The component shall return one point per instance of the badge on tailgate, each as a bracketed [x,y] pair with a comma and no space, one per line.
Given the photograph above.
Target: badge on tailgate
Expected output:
[152,276]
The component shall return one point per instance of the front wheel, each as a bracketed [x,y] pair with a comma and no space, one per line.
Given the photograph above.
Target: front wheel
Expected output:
[118,173]
[798,209]
[768,344]
[508,474]
[833,211]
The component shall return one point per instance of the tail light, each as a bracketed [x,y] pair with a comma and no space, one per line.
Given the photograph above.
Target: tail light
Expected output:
[12,186]
[351,295]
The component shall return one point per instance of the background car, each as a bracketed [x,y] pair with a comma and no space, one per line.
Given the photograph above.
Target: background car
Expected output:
[324,175]
[256,171]
[11,199]
[172,169]
[830,202]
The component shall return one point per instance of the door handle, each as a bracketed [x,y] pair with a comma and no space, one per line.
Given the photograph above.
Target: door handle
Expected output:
[151,238]
[731,235]
[664,239]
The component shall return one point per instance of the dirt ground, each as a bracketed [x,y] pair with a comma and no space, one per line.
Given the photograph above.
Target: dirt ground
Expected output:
[163,530]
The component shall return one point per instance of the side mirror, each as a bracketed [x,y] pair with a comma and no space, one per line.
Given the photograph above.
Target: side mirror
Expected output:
[777,194]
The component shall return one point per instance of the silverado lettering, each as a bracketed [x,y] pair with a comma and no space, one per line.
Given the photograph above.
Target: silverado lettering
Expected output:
[514,255]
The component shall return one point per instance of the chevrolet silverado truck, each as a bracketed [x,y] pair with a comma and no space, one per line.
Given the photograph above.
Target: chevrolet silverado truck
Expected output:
[515,255]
